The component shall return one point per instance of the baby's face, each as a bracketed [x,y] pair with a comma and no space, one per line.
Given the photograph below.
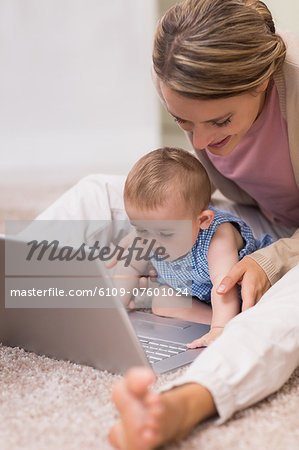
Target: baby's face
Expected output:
[170,227]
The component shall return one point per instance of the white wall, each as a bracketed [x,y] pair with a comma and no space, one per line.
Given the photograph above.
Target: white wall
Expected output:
[75,87]
[285,13]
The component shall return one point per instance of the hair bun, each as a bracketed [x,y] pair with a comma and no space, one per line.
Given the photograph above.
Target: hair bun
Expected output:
[217,48]
[261,8]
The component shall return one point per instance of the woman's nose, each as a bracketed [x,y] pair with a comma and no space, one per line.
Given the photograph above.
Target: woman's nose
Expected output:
[201,138]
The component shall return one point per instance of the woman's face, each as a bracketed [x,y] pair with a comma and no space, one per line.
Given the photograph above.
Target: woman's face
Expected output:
[217,125]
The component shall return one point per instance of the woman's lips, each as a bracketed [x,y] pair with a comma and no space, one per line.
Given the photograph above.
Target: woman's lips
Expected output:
[221,143]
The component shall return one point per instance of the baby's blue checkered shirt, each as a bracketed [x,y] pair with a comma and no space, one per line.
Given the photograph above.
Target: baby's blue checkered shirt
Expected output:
[191,272]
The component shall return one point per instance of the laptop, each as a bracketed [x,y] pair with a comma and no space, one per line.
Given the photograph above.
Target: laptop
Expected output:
[99,332]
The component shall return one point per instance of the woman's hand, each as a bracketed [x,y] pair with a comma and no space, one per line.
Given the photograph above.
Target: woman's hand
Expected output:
[253,280]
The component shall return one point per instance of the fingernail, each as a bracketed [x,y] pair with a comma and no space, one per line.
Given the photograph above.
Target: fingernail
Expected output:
[221,288]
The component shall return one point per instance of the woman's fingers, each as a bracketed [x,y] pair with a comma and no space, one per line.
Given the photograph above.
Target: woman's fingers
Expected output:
[254,285]
[250,291]
[252,278]
[234,277]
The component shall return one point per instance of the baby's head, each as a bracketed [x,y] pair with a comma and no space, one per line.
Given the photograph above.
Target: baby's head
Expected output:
[165,174]
[168,185]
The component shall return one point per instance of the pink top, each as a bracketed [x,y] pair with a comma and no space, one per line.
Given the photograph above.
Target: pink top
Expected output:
[260,164]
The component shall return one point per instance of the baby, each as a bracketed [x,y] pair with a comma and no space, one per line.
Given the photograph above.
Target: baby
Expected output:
[167,195]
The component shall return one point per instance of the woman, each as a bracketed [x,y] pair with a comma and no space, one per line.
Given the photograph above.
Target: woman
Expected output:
[228,99]
[231,83]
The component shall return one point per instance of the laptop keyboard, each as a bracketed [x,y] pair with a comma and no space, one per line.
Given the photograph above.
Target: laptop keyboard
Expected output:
[157,350]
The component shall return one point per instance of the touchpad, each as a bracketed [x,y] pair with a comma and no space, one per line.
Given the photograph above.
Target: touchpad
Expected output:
[155,325]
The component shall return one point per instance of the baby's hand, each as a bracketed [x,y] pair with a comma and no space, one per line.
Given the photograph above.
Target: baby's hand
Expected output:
[206,339]
[131,304]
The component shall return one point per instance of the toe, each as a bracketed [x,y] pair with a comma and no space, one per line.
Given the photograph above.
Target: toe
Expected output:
[120,395]
[138,380]
[116,435]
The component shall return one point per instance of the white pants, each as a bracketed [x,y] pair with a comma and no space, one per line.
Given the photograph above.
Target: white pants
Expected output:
[258,349]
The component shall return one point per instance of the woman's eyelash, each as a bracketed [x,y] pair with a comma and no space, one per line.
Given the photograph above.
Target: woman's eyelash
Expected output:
[222,124]
[178,120]
[218,124]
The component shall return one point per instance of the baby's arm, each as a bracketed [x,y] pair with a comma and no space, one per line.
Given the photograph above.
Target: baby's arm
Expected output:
[222,256]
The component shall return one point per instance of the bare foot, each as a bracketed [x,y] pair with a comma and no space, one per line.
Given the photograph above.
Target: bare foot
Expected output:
[148,419]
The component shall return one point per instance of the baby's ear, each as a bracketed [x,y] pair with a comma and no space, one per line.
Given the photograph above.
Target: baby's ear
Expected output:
[205,218]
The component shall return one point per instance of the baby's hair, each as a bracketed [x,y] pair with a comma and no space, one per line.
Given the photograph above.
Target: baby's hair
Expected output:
[165,172]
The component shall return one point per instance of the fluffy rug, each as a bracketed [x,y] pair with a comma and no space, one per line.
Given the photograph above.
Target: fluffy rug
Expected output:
[48,404]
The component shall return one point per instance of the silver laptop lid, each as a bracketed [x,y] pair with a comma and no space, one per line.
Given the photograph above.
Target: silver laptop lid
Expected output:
[89,329]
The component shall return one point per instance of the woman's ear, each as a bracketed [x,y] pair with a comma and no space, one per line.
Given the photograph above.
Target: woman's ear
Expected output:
[262,87]
[205,218]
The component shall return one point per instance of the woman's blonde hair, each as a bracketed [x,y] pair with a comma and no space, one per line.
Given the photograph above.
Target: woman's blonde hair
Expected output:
[164,172]
[217,48]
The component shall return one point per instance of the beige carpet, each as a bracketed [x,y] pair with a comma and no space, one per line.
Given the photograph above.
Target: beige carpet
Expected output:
[48,404]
